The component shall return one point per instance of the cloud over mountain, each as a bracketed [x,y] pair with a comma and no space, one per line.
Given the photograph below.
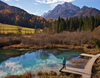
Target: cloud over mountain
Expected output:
[52,1]
[10,0]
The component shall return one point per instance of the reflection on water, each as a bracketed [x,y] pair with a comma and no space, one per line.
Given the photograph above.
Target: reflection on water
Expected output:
[44,60]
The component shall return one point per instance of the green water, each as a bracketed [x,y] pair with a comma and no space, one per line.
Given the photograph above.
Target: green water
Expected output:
[33,61]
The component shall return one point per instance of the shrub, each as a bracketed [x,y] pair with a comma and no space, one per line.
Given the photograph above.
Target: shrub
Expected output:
[45,74]
[52,73]
[33,74]
[39,73]
[74,76]
[62,74]
[27,75]
[67,38]
[13,76]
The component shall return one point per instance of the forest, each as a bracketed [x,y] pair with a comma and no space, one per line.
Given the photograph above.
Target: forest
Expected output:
[74,23]
[22,19]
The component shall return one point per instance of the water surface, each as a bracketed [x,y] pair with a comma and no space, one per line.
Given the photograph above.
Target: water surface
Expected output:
[33,61]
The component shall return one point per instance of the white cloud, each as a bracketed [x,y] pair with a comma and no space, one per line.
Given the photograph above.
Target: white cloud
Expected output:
[55,4]
[37,12]
[3,73]
[10,0]
[52,1]
[17,0]
[35,3]
[13,65]
[7,0]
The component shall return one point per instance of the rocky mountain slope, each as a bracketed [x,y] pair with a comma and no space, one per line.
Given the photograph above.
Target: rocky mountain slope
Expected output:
[70,10]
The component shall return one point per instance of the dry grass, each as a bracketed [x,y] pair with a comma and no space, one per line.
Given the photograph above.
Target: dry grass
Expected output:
[79,61]
[96,69]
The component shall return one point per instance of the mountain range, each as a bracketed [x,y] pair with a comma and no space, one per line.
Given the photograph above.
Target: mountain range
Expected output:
[70,10]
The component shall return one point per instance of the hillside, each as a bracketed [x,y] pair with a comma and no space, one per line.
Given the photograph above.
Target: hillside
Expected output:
[5,28]
[4,6]
[15,16]
[70,10]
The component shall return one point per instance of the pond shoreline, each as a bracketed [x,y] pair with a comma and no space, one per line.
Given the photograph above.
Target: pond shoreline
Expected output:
[86,48]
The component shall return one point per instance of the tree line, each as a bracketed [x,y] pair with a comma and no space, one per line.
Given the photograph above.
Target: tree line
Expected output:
[74,23]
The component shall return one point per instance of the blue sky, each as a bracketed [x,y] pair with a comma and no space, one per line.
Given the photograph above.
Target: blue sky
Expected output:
[38,7]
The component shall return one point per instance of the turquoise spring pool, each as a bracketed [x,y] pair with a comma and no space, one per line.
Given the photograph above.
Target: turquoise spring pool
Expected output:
[33,61]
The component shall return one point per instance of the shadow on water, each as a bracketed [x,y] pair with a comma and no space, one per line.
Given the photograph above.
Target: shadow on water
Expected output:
[6,54]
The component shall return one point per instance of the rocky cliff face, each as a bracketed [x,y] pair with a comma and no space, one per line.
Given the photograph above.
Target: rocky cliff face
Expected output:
[70,10]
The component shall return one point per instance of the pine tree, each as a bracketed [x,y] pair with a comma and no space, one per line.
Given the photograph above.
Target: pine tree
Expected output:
[80,23]
[71,25]
[57,25]
[67,24]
